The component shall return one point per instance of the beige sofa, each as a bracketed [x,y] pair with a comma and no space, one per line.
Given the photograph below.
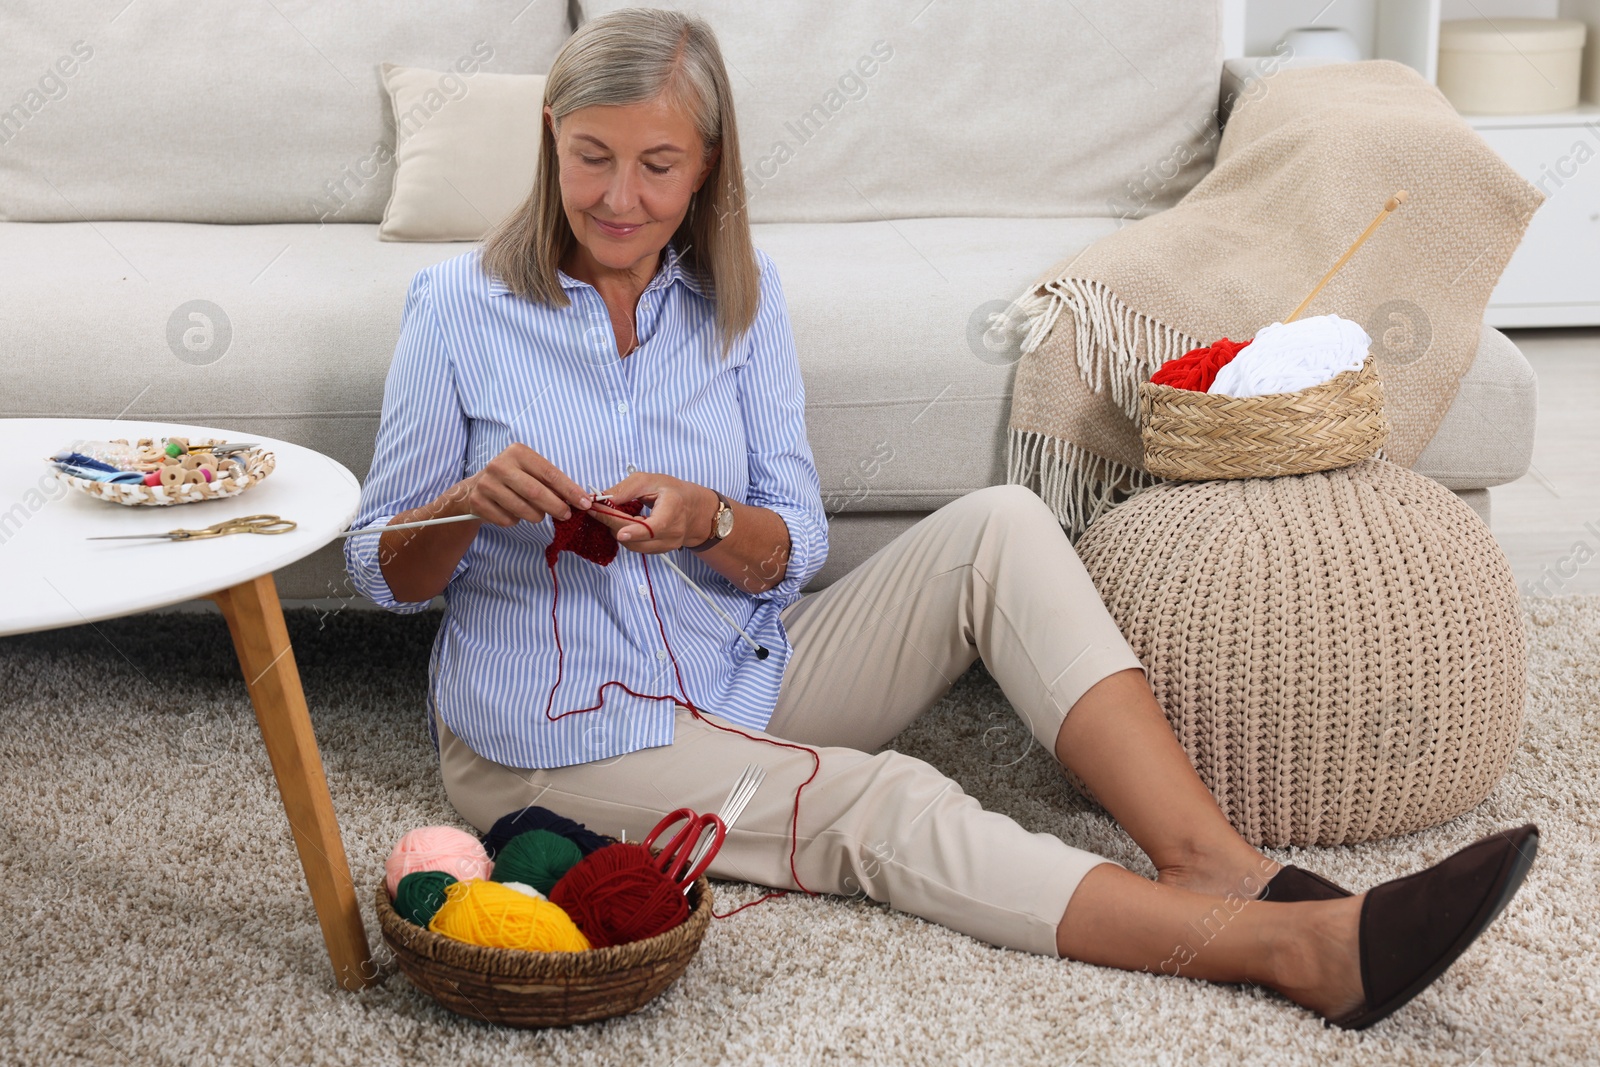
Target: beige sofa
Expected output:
[909,164]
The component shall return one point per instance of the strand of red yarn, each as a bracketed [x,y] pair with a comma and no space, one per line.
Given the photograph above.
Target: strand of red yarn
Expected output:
[585,536]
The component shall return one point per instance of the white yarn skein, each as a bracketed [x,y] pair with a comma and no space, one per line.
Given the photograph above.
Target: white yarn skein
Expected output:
[1286,357]
[524,887]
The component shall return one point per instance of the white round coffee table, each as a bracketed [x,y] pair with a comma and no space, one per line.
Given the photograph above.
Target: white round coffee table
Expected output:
[54,576]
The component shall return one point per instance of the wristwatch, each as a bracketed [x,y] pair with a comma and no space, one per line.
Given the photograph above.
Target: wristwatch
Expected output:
[721,525]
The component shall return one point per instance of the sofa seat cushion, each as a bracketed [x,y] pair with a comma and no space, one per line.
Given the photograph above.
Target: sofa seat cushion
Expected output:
[306,320]
[905,404]
[302,319]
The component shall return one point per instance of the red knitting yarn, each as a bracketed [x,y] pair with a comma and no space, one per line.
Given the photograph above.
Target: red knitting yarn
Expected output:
[616,895]
[588,537]
[1197,368]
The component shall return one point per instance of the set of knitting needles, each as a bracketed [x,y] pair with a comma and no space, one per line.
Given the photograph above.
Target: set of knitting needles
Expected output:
[755,646]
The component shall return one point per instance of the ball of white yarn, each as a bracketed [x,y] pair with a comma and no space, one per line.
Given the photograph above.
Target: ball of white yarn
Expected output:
[523,887]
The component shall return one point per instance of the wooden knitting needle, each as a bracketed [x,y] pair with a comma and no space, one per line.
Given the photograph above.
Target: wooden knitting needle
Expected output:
[760,651]
[1394,202]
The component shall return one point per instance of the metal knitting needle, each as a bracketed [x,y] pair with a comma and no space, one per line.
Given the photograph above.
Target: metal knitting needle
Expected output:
[738,798]
[760,651]
[408,525]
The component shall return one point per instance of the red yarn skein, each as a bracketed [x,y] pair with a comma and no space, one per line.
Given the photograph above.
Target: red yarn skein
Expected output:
[616,895]
[1197,368]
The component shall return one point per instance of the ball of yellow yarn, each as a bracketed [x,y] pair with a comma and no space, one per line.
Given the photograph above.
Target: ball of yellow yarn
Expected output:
[487,913]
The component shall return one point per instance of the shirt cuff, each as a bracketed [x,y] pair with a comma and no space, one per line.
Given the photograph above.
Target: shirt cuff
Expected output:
[361,561]
[808,550]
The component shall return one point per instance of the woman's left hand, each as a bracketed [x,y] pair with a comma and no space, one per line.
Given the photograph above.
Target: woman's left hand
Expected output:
[681,513]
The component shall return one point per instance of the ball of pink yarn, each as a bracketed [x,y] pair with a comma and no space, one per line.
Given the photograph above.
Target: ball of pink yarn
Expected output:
[437,848]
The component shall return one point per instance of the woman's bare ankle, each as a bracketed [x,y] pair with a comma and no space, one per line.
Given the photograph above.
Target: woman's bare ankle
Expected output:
[1316,957]
[1219,871]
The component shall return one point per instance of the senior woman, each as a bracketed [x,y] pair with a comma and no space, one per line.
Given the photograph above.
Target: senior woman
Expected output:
[620,332]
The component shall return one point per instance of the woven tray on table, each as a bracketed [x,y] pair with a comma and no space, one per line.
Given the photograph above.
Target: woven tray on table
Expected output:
[538,989]
[1194,436]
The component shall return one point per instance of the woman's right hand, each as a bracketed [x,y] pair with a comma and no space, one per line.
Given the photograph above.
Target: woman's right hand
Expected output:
[517,485]
[520,485]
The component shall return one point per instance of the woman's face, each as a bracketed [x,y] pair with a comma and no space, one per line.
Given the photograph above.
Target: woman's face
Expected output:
[627,176]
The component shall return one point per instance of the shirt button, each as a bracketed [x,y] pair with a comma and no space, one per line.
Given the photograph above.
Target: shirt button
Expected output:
[622,407]
[662,655]
[631,469]
[644,590]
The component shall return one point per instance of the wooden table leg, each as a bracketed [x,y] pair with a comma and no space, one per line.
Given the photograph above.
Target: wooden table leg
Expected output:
[255,619]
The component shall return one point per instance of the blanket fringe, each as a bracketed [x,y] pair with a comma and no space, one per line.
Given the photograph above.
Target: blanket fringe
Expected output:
[1078,485]
[1116,346]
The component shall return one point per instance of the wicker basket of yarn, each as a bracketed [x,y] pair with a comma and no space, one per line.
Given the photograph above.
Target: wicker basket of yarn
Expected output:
[1196,436]
[525,989]
[1341,654]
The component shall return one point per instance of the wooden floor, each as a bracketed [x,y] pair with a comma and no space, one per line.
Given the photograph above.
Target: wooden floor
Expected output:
[1548,521]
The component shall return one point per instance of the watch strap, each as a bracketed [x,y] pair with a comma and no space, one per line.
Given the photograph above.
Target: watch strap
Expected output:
[722,505]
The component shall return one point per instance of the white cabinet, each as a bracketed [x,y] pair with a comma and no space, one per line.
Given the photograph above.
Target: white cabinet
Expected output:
[1554,277]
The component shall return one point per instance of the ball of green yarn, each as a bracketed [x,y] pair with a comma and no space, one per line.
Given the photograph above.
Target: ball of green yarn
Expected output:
[538,858]
[420,894]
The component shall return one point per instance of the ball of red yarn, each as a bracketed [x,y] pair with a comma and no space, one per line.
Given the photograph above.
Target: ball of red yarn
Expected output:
[1197,368]
[617,895]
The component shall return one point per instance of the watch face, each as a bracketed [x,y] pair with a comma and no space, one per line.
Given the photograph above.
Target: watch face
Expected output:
[724,522]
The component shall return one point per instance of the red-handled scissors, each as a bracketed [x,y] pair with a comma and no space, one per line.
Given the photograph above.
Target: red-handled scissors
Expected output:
[676,854]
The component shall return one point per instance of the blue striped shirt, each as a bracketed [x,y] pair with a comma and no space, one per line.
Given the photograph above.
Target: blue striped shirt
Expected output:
[478,368]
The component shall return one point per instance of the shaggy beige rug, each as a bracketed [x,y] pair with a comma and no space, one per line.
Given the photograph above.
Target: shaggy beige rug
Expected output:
[156,913]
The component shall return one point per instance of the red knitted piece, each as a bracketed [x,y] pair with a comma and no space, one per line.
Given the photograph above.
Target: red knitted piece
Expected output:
[1197,369]
[587,536]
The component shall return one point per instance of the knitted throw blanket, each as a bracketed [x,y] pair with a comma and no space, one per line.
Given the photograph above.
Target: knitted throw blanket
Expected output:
[1306,160]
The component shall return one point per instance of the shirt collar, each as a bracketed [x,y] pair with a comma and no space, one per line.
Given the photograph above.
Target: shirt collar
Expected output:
[670,269]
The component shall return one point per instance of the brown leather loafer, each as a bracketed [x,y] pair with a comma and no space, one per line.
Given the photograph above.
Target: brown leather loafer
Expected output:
[1292,884]
[1414,928]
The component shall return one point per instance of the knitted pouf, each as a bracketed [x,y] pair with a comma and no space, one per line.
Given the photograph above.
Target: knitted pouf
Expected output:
[1341,654]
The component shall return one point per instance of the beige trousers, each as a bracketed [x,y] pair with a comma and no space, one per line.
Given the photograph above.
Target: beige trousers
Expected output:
[990,575]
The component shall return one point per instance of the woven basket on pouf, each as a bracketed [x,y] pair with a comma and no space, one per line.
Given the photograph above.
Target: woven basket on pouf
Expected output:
[1341,654]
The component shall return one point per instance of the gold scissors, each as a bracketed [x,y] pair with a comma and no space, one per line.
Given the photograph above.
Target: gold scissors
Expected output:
[255,524]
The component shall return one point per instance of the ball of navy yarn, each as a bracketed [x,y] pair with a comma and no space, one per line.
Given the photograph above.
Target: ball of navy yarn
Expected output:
[538,858]
[420,895]
[617,895]
[537,818]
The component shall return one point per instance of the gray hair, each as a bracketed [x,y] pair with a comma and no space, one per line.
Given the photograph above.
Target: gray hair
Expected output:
[628,57]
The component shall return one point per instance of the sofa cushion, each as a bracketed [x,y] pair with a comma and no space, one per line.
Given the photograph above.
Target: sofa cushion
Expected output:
[256,112]
[1010,107]
[907,400]
[461,171]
